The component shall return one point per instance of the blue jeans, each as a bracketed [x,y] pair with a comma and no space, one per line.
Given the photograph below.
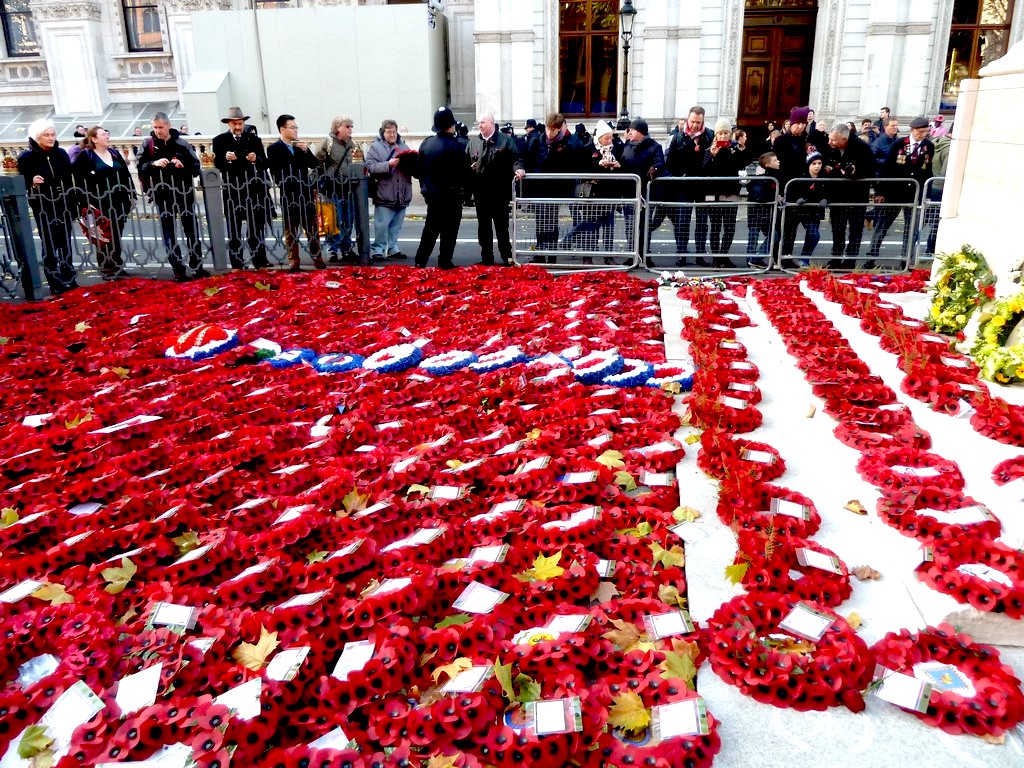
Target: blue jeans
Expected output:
[346,210]
[387,222]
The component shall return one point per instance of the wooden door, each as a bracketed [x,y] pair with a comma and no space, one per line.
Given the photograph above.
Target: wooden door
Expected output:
[775,73]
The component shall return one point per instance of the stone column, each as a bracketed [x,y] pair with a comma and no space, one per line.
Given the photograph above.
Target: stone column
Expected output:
[178,17]
[504,43]
[898,40]
[828,59]
[71,36]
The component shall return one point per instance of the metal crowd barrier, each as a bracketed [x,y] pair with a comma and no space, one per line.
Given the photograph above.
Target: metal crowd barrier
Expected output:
[734,223]
[143,250]
[928,221]
[862,231]
[577,222]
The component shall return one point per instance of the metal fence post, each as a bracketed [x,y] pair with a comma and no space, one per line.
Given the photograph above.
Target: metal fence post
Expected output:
[213,201]
[15,209]
[361,197]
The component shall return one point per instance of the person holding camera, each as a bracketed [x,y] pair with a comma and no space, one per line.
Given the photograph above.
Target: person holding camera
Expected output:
[290,162]
[239,155]
[167,166]
[725,157]
[849,160]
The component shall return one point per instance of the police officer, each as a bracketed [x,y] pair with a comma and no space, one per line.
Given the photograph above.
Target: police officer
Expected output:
[909,158]
[443,171]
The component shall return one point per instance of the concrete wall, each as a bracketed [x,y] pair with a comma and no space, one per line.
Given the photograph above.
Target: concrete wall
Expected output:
[369,63]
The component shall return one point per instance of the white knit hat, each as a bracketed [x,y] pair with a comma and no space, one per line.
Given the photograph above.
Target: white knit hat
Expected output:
[38,127]
[603,128]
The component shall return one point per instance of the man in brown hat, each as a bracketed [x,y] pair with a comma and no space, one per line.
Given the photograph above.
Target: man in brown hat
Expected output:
[239,155]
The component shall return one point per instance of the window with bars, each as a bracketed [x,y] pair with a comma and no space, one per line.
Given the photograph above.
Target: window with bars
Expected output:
[978,36]
[588,57]
[19,29]
[142,25]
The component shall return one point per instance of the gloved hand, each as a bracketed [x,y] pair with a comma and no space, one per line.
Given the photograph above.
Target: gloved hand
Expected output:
[823,203]
[799,201]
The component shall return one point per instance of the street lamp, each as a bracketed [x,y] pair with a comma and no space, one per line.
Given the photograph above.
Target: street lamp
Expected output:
[627,13]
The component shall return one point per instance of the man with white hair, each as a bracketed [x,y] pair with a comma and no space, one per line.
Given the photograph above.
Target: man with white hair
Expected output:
[494,161]
[47,172]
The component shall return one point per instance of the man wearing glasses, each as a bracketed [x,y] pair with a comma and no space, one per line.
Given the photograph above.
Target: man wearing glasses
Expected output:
[290,163]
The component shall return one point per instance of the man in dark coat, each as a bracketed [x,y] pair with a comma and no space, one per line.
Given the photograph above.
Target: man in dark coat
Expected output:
[494,161]
[167,166]
[556,151]
[290,162]
[909,158]
[239,155]
[885,141]
[850,161]
[685,158]
[443,171]
[643,156]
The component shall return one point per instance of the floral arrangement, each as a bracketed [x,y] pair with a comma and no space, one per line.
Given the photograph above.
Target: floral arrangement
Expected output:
[9,163]
[997,361]
[302,553]
[963,282]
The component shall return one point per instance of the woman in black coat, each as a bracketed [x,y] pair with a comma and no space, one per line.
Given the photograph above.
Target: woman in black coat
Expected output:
[725,158]
[47,173]
[103,173]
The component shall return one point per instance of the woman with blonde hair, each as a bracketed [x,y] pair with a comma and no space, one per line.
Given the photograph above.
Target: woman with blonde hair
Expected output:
[110,193]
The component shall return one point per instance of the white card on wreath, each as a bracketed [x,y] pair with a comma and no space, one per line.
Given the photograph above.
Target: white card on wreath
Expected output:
[336,739]
[668,624]
[568,623]
[905,691]
[244,699]
[810,558]
[478,598]
[354,656]
[657,479]
[309,598]
[468,680]
[689,532]
[758,457]
[447,492]
[138,691]
[788,508]
[73,708]
[680,718]
[578,478]
[972,515]
[253,569]
[285,664]
[20,591]
[171,615]
[803,621]
[491,554]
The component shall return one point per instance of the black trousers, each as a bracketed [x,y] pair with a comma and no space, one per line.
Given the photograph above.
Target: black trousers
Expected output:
[180,205]
[255,214]
[55,239]
[841,216]
[492,222]
[444,215]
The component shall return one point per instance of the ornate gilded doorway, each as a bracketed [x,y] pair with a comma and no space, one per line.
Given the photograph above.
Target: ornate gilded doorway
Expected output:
[775,71]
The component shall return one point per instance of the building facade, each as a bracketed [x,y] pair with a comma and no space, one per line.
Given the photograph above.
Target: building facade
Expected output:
[117,61]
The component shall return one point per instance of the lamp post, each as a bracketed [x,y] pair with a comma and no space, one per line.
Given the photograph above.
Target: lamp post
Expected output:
[627,13]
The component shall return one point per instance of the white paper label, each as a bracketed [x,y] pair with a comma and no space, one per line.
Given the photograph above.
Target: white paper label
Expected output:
[135,692]
[806,623]
[285,664]
[354,657]
[244,698]
[478,598]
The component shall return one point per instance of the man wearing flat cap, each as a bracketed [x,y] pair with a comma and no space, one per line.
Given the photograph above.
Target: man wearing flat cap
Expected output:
[239,155]
[909,158]
[443,171]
